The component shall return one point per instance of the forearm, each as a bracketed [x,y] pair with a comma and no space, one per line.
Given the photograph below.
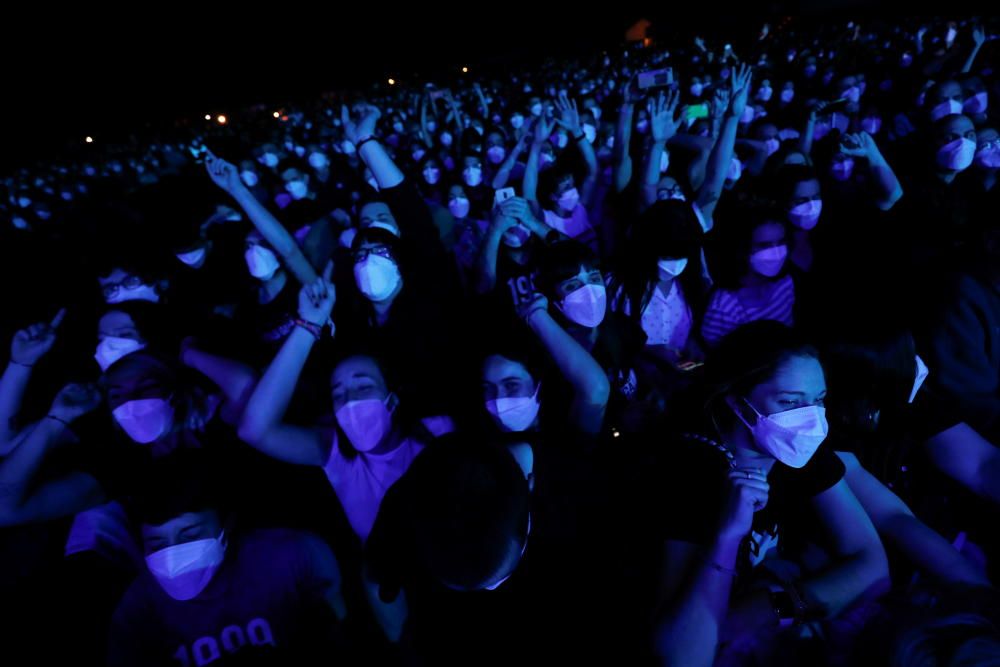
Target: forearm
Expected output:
[13,384]
[233,378]
[19,468]
[272,394]
[276,235]
[530,182]
[967,65]
[486,265]
[887,187]
[690,627]
[622,161]
[718,165]
[964,455]
[651,175]
[589,382]
[503,175]
[864,573]
[806,140]
[383,168]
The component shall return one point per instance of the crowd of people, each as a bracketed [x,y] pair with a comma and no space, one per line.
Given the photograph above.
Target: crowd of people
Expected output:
[680,353]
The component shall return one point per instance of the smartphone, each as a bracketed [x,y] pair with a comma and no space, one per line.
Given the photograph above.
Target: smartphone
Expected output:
[502,195]
[696,111]
[436,95]
[656,78]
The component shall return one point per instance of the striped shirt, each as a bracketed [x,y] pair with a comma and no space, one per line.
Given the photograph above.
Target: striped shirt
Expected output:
[726,312]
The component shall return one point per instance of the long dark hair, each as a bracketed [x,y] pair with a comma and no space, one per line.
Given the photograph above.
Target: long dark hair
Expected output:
[731,259]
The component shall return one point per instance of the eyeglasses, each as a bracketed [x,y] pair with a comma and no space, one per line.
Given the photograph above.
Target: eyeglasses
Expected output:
[132,282]
[993,143]
[362,254]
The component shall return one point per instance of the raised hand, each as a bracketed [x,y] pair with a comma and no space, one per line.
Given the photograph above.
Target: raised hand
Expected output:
[569,117]
[364,127]
[222,173]
[978,35]
[739,88]
[543,130]
[75,400]
[663,121]
[316,299]
[632,93]
[526,308]
[30,344]
[860,144]
[720,102]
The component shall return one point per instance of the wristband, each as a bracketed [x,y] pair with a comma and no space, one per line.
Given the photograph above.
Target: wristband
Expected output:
[18,363]
[724,570]
[315,329]
[364,141]
[580,138]
[58,419]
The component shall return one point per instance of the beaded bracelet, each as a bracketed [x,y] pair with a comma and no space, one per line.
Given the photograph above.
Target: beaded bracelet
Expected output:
[58,419]
[315,329]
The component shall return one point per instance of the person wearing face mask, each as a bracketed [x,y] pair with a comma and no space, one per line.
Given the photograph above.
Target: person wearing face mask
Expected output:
[183,601]
[468,233]
[754,283]
[987,161]
[752,461]
[267,309]
[942,99]
[373,442]
[121,283]
[564,209]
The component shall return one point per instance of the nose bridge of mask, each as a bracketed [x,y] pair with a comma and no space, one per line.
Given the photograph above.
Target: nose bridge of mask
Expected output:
[585,305]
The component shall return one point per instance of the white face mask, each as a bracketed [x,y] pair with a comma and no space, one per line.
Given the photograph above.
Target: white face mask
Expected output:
[446,138]
[432,175]
[569,199]
[516,236]
[141,293]
[976,104]
[946,108]
[365,422]
[792,436]
[664,161]
[297,189]
[261,262]
[318,161]
[517,413]
[747,116]
[787,95]
[735,170]
[589,132]
[472,176]
[516,121]
[671,268]
[184,570]
[764,94]
[918,380]
[853,94]
[696,89]
[536,109]
[459,207]
[989,157]
[419,154]
[768,262]
[871,124]
[269,160]
[585,305]
[376,277]
[146,419]
[348,148]
[397,127]
[772,145]
[957,155]
[495,154]
[112,348]
[642,126]
[249,178]
[806,215]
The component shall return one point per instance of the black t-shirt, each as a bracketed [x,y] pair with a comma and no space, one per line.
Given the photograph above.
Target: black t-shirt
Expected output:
[687,494]
[266,325]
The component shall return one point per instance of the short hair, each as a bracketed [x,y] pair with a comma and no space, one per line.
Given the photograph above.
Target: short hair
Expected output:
[563,260]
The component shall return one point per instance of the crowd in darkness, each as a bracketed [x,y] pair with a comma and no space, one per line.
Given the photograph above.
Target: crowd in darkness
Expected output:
[681,353]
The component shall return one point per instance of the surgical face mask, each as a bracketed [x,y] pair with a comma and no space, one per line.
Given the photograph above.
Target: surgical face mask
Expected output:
[585,305]
[536,109]
[297,189]
[516,121]
[545,158]
[642,126]
[747,116]
[735,170]
[768,262]
[318,161]
[792,436]
[957,155]
[595,112]
[459,207]
[348,148]
[184,570]
[249,178]
[418,154]
[806,215]
[376,277]
[696,89]
[853,94]
[590,132]
[562,139]
[141,293]
[976,104]
[946,108]
[145,419]
[516,236]
[472,176]
[671,268]
[365,422]
[787,95]
[446,139]
[432,175]
[989,157]
[269,160]
[841,170]
[871,124]
[192,258]
[516,413]
[261,262]
[765,93]
[918,380]
[495,154]
[569,199]
[112,348]
[772,145]
[397,127]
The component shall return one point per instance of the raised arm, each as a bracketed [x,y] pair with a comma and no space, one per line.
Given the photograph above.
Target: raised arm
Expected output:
[968,458]
[722,152]
[425,134]
[21,499]
[484,106]
[570,120]
[621,160]
[978,39]
[26,349]
[503,174]
[234,379]
[226,176]
[261,425]
[374,155]
[529,186]
[591,388]
[663,124]
[887,189]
